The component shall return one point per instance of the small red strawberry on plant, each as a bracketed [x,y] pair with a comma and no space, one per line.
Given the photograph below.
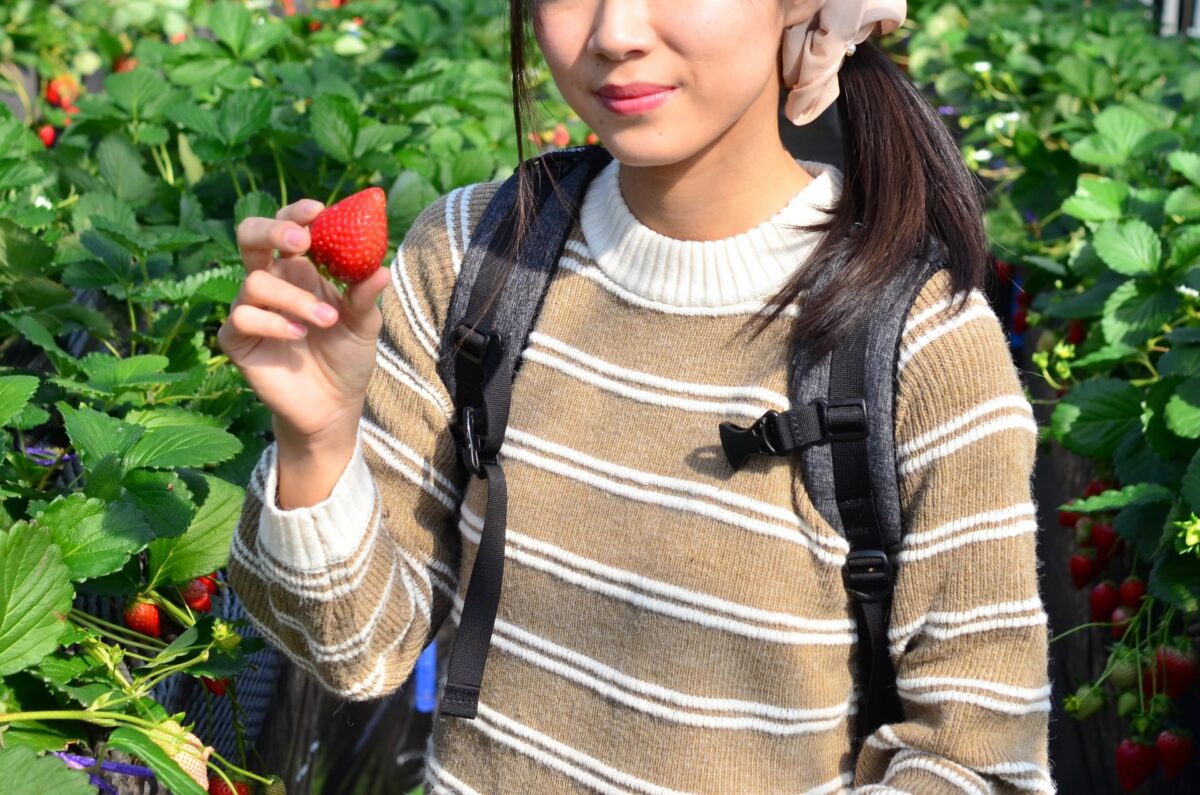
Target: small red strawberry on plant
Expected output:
[1099,486]
[1174,751]
[215,686]
[1076,332]
[62,91]
[209,581]
[1068,518]
[1133,590]
[125,63]
[144,617]
[1175,669]
[1135,763]
[196,594]
[1104,600]
[592,138]
[48,135]
[350,238]
[1020,320]
[1104,539]
[1083,568]
[218,787]
[1120,619]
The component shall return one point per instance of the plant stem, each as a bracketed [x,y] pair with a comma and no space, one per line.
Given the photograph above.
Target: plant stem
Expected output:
[99,718]
[237,186]
[115,630]
[283,196]
[338,186]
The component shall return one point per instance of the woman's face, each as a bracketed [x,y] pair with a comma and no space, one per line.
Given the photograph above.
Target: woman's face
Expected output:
[661,80]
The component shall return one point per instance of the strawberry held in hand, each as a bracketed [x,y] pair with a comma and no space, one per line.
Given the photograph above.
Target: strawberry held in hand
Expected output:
[350,238]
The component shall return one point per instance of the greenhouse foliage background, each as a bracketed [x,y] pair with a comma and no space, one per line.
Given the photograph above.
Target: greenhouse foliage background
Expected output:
[136,134]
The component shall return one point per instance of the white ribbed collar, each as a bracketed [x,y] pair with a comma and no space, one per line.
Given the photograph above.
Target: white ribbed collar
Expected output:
[703,273]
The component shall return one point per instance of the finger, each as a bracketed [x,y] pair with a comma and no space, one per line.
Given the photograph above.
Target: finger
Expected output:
[360,302]
[302,212]
[264,290]
[248,324]
[258,238]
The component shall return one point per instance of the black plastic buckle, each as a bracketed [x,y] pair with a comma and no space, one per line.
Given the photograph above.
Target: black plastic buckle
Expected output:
[469,444]
[868,574]
[472,344]
[842,419]
[740,443]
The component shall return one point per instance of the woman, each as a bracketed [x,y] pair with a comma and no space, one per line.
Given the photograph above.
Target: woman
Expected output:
[666,624]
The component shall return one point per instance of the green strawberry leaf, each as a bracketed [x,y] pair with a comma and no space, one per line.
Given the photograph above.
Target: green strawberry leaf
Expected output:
[1183,409]
[1131,248]
[1186,163]
[22,771]
[1137,311]
[1094,416]
[95,434]
[204,547]
[35,595]
[15,392]
[1097,199]
[178,438]
[163,498]
[1175,579]
[95,538]
[334,121]
[1184,203]
[1135,494]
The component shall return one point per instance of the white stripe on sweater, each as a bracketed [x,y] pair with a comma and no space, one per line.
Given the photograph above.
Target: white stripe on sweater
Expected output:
[410,305]
[975,298]
[618,372]
[445,777]
[987,702]
[664,607]
[406,374]
[1017,402]
[1022,775]
[456,257]
[668,591]
[547,751]
[1026,527]
[833,785]
[692,488]
[1020,510]
[677,503]
[943,625]
[911,349]
[1008,422]
[385,446]
[920,762]
[464,214]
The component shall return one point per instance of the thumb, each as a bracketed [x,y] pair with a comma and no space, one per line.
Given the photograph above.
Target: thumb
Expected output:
[361,298]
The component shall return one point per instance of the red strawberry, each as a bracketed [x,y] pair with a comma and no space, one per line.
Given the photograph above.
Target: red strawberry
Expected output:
[209,582]
[1068,518]
[1083,531]
[1133,590]
[1003,271]
[1135,763]
[1104,539]
[1120,619]
[178,38]
[1104,600]
[196,594]
[143,617]
[1024,298]
[217,786]
[1083,568]
[1099,486]
[1174,751]
[1175,670]
[48,135]
[1076,332]
[350,238]
[592,138]
[561,137]
[126,63]
[62,91]
[314,26]
[215,686]
[1020,321]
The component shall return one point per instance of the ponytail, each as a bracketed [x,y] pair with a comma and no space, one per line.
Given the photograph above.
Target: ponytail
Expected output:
[905,184]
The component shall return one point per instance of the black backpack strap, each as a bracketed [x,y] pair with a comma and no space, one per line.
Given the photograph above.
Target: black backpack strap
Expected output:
[493,309]
[849,472]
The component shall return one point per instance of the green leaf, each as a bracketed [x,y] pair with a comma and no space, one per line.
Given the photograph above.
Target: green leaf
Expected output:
[262,37]
[167,770]
[1098,150]
[15,392]
[378,137]
[230,23]
[1175,579]
[22,254]
[1113,499]
[22,772]
[35,595]
[121,167]
[1131,248]
[1184,203]
[254,204]
[168,446]
[1136,312]
[334,121]
[1183,410]
[1085,304]
[1097,199]
[1046,264]
[1135,461]
[1183,360]
[244,114]
[95,434]
[1095,415]
[1106,355]
[95,538]
[1143,526]
[141,92]
[409,195]
[1185,247]
[1122,126]
[163,498]
[1186,163]
[107,373]
[204,547]
[186,641]
[1191,484]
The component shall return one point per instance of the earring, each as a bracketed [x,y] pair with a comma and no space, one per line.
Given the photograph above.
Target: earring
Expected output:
[851,48]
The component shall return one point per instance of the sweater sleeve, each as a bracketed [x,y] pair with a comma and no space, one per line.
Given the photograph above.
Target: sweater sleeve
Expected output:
[968,630]
[353,588]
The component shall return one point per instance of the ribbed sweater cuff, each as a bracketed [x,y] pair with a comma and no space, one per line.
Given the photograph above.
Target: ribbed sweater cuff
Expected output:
[316,537]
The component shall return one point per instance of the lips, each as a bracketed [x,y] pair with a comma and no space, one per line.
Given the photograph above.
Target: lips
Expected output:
[633,99]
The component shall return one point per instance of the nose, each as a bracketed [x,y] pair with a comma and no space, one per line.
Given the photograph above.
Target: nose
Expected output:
[621,29]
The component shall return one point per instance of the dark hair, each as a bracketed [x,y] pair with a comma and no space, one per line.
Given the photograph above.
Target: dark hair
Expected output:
[906,185]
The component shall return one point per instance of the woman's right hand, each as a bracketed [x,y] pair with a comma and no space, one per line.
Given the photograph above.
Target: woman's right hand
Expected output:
[314,382]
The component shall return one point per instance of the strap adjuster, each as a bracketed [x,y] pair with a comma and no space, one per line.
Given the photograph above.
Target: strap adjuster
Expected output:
[740,443]
[868,574]
[842,419]
[469,443]
[472,344]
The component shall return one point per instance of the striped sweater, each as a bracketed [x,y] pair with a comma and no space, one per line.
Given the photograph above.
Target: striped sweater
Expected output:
[667,625]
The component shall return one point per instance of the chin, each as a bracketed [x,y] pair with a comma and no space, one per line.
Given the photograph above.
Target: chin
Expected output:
[648,148]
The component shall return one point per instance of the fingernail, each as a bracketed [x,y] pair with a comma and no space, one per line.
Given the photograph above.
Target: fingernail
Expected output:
[311,207]
[325,313]
[294,238]
[298,329]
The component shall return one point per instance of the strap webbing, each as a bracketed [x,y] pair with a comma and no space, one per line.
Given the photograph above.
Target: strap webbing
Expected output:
[868,574]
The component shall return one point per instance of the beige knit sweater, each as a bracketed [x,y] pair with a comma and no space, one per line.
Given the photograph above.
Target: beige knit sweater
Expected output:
[667,625]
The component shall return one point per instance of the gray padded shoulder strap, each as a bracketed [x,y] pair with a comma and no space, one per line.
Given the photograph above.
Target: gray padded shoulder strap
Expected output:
[810,381]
